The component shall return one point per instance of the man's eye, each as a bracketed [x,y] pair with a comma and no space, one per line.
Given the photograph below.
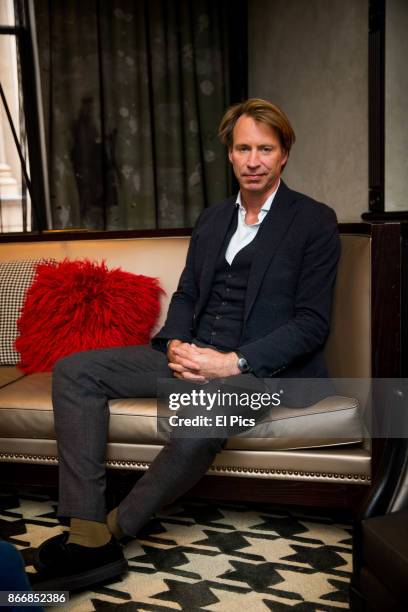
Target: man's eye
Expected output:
[267,149]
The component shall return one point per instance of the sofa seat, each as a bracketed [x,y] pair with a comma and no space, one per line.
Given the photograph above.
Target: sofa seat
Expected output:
[26,410]
[27,424]
[9,374]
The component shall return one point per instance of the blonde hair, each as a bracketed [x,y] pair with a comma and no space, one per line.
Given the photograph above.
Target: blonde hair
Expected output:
[262,111]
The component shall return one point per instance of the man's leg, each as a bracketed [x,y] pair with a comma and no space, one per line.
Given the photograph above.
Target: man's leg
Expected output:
[82,385]
[175,470]
[184,460]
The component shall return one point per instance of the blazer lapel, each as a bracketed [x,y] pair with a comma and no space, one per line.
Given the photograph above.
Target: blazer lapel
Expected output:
[272,231]
[218,230]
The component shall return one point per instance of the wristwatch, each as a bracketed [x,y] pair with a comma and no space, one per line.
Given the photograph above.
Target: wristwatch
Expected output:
[242,363]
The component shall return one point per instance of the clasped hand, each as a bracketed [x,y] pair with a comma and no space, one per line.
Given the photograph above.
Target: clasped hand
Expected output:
[190,362]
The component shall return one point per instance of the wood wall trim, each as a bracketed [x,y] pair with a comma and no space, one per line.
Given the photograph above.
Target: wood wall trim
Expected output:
[386,300]
[56,235]
[386,312]
[355,228]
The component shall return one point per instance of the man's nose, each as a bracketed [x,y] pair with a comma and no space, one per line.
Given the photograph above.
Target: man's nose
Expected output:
[253,159]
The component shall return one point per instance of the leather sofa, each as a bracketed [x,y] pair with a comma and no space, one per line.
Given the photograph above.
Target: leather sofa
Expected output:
[289,453]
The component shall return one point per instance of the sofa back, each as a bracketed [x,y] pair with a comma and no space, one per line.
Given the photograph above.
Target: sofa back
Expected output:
[159,257]
[348,350]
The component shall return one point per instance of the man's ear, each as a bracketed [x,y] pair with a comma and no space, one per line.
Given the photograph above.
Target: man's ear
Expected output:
[230,154]
[285,158]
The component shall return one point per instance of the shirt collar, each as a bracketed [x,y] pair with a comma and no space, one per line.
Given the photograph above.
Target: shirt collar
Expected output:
[265,206]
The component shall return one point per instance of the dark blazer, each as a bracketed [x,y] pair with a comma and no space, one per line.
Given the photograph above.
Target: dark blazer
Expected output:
[289,294]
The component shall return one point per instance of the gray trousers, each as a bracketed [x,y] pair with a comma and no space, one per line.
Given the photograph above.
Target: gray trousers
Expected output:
[82,385]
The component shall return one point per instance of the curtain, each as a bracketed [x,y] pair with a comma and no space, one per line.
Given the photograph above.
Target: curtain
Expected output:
[133,94]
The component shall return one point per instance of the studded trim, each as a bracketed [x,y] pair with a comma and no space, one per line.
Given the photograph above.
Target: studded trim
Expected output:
[217,469]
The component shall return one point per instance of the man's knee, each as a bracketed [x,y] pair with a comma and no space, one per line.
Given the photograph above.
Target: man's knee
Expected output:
[77,368]
[70,366]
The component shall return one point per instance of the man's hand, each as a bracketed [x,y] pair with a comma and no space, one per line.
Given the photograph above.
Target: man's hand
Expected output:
[171,345]
[202,364]
[174,360]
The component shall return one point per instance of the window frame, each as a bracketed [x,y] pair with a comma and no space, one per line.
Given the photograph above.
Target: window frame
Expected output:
[22,30]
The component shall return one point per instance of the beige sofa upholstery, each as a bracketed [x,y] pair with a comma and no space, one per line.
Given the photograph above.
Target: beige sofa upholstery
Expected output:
[305,446]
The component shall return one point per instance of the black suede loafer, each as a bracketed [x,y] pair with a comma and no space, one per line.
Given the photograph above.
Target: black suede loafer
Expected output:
[48,550]
[71,567]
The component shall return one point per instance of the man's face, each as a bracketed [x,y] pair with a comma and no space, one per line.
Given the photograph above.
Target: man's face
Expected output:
[256,156]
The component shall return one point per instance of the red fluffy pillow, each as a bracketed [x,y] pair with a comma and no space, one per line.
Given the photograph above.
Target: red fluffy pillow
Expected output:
[79,305]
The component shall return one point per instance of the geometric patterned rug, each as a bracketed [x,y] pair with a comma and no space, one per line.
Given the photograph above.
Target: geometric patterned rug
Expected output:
[220,557]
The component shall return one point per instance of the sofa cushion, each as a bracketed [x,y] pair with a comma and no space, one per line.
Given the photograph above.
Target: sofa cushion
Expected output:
[15,278]
[80,305]
[332,421]
[26,411]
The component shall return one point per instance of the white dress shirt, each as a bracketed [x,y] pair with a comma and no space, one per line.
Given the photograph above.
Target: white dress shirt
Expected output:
[244,233]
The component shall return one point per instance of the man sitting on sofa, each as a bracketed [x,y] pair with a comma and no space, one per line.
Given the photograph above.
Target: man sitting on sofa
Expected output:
[253,301]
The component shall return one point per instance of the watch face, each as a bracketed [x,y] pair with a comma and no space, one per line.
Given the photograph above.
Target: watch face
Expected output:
[243,364]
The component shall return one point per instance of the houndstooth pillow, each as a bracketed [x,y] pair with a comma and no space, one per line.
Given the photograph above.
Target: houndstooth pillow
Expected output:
[15,278]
